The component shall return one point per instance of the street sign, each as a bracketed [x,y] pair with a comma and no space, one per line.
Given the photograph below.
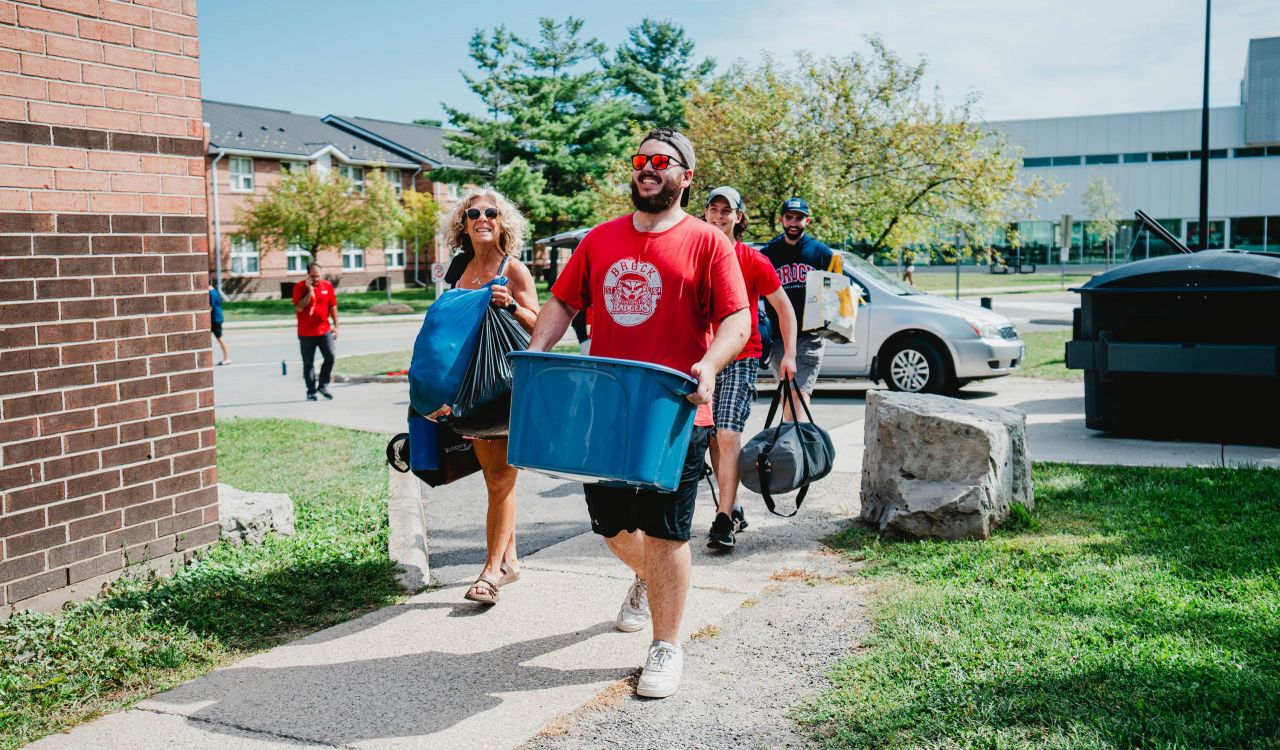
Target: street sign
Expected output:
[438,270]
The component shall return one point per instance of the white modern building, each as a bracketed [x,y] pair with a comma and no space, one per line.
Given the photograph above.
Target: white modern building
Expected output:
[1151,160]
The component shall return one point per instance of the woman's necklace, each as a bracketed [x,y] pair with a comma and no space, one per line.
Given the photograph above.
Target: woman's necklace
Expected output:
[483,277]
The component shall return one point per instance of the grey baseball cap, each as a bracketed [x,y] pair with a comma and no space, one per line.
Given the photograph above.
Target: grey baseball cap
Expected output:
[729,194]
[677,140]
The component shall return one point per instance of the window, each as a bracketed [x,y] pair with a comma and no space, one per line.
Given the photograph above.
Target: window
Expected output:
[244,255]
[1135,158]
[297,258]
[1102,159]
[394,252]
[397,183]
[1273,150]
[1217,228]
[241,174]
[444,192]
[1170,155]
[1214,153]
[355,174]
[1245,153]
[352,257]
[1249,233]
[1273,234]
[292,167]
[1065,161]
[1037,161]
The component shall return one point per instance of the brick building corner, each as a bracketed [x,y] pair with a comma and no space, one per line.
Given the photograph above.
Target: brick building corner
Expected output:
[106,392]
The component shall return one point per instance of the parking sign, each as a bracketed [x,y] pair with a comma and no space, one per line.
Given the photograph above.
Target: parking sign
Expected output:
[438,271]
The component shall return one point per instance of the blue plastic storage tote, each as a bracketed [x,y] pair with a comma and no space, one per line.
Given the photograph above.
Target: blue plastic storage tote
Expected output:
[593,419]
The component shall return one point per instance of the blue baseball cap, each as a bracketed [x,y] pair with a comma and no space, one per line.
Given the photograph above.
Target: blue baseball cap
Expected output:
[799,205]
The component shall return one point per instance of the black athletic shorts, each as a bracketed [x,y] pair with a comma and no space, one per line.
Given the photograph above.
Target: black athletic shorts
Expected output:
[666,515]
[217,330]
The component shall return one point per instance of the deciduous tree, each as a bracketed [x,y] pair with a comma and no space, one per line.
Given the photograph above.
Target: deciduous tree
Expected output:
[879,162]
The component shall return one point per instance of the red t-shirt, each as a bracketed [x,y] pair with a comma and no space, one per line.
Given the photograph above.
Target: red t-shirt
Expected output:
[761,280]
[313,320]
[655,295]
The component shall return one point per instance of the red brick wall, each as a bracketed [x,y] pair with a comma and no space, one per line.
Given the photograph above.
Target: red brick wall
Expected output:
[106,391]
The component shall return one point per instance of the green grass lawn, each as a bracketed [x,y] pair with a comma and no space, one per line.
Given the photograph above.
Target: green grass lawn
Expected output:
[144,635]
[349,303]
[971,281]
[1046,356]
[1136,608]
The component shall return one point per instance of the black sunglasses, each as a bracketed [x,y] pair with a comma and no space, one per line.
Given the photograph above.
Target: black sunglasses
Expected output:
[659,161]
[489,213]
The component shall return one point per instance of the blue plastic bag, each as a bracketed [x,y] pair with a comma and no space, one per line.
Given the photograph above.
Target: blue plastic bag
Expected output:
[444,347]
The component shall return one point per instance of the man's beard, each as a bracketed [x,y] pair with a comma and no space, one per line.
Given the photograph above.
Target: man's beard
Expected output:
[659,201]
[793,233]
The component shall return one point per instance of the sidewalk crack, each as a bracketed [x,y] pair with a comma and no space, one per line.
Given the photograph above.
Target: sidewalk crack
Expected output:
[247,730]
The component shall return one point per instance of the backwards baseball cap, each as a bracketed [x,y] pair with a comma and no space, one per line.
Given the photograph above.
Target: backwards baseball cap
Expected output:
[729,194]
[799,205]
[677,140]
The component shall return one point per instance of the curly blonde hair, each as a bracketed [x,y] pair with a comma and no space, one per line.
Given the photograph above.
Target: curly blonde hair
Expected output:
[511,222]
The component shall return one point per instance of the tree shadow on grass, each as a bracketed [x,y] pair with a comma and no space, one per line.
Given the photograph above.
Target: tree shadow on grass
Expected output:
[255,607]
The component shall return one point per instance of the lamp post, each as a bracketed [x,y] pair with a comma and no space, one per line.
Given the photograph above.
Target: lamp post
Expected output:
[1203,244]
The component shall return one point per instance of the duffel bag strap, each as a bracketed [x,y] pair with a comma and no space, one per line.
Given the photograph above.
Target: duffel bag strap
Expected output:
[764,469]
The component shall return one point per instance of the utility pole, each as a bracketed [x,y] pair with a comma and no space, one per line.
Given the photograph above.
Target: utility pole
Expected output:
[1204,140]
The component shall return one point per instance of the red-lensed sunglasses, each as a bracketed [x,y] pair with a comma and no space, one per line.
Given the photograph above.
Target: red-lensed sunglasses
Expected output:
[659,161]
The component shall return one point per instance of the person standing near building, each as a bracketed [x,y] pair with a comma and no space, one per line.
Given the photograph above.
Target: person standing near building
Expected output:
[215,321]
[736,383]
[316,305]
[658,281]
[793,255]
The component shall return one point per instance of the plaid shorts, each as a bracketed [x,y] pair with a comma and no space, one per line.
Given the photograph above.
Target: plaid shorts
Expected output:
[735,392]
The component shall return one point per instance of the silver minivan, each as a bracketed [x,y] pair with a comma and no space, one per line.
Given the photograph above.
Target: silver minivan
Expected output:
[919,342]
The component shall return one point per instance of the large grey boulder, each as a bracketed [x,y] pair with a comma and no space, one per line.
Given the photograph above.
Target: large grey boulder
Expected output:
[248,516]
[937,467]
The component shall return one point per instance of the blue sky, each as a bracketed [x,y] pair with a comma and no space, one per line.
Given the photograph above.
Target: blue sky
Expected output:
[1025,58]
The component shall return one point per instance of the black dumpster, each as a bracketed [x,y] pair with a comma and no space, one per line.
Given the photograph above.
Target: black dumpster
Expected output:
[1182,347]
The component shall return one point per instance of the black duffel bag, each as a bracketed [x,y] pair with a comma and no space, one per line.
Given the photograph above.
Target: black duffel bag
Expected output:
[787,457]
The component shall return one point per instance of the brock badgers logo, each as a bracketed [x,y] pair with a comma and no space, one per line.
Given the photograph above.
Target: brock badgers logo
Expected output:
[632,289]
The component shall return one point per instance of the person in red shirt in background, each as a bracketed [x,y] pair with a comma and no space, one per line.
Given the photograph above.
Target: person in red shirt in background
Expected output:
[736,384]
[316,305]
[657,281]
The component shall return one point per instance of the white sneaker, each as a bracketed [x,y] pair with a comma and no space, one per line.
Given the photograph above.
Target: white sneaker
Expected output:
[661,675]
[634,614]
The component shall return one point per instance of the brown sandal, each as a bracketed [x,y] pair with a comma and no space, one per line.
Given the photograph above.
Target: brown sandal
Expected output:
[488,588]
[509,575]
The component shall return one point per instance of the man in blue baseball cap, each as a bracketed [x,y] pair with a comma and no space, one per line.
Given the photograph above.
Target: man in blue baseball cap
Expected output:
[793,255]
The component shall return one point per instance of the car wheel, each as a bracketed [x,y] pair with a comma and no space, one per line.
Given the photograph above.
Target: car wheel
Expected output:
[914,365]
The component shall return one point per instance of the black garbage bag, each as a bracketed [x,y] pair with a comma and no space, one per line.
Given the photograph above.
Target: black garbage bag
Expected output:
[483,405]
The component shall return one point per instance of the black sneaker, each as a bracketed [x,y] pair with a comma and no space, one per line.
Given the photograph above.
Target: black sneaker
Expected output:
[325,392]
[739,519]
[311,397]
[721,536]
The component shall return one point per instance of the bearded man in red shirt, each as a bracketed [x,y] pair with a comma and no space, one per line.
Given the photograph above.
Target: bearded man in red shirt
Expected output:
[664,288]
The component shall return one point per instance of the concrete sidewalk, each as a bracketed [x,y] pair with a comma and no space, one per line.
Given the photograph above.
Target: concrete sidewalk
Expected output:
[440,672]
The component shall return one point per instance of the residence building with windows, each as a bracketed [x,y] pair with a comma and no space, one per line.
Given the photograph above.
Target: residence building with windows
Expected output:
[1151,161]
[251,147]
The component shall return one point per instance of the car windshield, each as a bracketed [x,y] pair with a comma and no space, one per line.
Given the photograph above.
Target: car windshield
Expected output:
[853,262]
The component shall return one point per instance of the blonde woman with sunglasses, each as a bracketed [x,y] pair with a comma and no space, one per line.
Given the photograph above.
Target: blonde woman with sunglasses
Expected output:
[489,230]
